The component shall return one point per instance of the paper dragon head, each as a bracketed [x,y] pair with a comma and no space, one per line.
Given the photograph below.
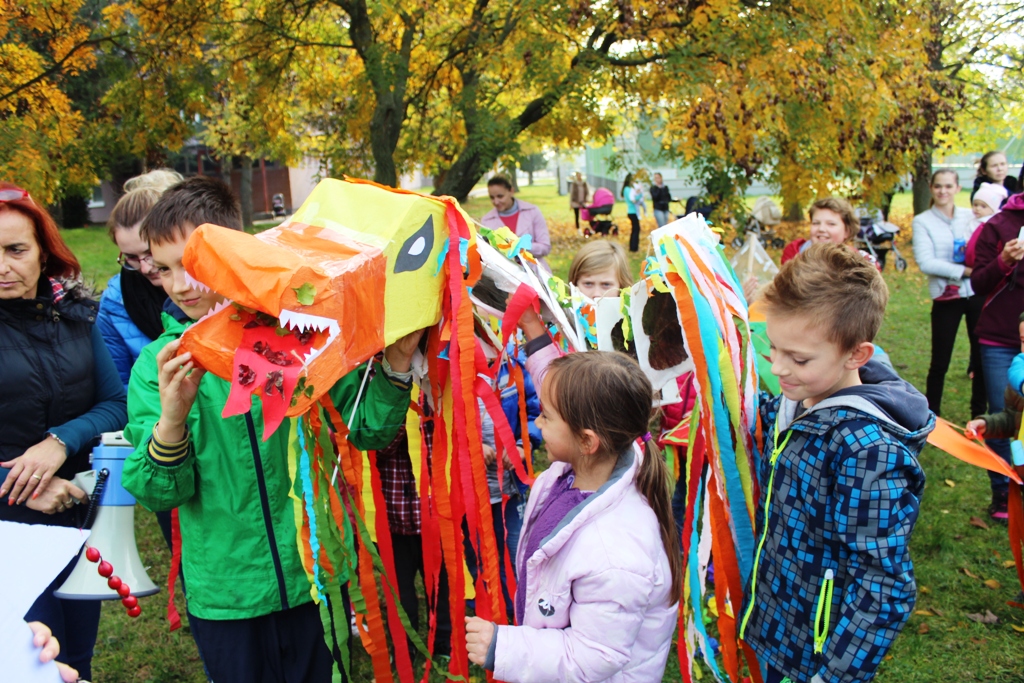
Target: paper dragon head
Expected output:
[355,268]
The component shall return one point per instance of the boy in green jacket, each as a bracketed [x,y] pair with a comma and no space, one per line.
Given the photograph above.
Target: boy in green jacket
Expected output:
[249,601]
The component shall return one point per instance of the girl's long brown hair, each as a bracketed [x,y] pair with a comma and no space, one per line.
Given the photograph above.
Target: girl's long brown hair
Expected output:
[607,393]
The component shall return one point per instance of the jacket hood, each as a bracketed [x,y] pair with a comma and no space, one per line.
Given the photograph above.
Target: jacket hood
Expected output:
[1014,203]
[174,311]
[883,397]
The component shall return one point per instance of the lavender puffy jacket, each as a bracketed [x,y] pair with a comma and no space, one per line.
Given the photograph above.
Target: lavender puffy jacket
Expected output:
[597,594]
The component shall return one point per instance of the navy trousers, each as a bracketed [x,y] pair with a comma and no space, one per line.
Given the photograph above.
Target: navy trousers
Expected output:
[281,647]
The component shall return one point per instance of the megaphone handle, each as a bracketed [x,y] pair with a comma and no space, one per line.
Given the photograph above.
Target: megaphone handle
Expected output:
[96,497]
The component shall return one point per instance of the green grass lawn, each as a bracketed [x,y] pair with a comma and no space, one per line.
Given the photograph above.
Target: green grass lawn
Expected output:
[940,643]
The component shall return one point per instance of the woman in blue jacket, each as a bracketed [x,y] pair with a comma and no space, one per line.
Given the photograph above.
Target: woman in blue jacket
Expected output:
[130,306]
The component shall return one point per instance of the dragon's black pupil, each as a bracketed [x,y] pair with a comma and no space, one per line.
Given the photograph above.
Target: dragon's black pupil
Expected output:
[416,250]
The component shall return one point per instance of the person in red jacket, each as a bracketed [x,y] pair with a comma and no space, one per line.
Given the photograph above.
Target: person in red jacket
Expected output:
[998,277]
[832,220]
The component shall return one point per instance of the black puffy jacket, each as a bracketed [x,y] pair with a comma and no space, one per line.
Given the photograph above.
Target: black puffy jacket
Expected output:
[47,371]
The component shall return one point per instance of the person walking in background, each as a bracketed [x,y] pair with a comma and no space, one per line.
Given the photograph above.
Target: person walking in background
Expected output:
[522,218]
[994,168]
[660,198]
[634,199]
[579,192]
[940,245]
[998,277]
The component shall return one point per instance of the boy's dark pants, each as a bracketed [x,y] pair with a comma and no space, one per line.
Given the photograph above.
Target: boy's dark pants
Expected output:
[408,551]
[281,647]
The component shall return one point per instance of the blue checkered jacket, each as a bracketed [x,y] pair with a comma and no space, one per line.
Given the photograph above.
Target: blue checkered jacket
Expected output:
[833,579]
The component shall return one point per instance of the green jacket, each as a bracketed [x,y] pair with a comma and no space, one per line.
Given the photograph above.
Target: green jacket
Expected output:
[239,543]
[1006,423]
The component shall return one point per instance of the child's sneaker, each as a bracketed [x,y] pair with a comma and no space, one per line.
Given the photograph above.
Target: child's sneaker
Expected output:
[998,509]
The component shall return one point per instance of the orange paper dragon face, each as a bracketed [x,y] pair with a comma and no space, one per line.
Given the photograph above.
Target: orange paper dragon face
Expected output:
[305,306]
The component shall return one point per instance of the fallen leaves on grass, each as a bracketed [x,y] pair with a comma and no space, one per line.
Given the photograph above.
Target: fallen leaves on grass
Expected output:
[986,618]
[969,573]
[993,584]
[950,483]
[1008,564]
[925,590]
[924,628]
[1018,629]
[978,522]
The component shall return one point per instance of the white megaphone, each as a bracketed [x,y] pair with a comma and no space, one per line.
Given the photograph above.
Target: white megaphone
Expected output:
[113,532]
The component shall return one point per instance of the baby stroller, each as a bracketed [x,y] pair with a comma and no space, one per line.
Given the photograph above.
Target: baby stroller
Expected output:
[278,205]
[874,234]
[599,214]
[763,216]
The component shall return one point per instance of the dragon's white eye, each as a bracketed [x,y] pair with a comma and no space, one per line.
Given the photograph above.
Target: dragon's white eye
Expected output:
[417,248]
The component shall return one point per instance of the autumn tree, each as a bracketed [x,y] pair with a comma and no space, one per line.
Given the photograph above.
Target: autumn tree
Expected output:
[812,99]
[42,44]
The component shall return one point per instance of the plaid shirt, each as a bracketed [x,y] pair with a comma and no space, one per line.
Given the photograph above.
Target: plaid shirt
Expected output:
[398,481]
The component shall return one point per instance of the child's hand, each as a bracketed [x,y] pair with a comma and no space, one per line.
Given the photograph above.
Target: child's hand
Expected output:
[530,322]
[399,354]
[975,429]
[179,383]
[478,639]
[750,289]
[49,649]
[490,455]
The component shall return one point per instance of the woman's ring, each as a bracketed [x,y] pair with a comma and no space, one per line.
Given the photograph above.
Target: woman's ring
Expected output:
[36,476]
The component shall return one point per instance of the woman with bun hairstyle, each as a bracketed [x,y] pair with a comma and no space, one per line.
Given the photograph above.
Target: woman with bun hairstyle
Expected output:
[131,305]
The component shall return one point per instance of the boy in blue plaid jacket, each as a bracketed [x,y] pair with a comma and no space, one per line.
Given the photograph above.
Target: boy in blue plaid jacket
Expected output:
[841,486]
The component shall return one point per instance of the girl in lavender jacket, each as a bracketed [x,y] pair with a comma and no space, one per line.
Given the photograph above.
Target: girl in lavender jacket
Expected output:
[599,560]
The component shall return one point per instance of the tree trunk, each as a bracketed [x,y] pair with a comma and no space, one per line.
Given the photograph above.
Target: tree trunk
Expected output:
[388,74]
[245,192]
[486,141]
[226,164]
[529,176]
[385,127]
[923,182]
[794,212]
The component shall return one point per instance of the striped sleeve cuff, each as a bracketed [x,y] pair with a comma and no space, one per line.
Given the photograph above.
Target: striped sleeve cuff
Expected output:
[169,453]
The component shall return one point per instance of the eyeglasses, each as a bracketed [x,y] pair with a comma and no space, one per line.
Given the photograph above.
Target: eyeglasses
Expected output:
[13,194]
[132,262]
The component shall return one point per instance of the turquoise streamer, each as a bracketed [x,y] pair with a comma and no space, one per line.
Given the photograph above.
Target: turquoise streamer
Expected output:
[441,256]
[307,497]
[710,340]
[696,598]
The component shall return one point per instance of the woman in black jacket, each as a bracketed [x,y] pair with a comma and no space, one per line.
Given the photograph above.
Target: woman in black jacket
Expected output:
[994,168]
[61,391]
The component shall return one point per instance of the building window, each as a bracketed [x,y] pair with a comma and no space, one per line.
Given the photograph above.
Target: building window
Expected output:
[96,201]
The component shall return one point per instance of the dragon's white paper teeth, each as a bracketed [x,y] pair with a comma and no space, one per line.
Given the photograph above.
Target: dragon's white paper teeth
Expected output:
[304,321]
[216,309]
[195,284]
